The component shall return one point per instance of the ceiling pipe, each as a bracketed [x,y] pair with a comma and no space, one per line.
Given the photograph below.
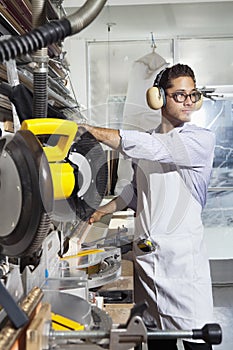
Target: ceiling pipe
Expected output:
[51,32]
[85,15]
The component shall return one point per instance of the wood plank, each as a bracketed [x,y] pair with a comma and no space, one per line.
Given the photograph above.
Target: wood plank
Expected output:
[20,11]
[10,19]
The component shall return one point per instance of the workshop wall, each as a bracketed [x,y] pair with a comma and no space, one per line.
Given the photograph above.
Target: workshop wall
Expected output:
[197,32]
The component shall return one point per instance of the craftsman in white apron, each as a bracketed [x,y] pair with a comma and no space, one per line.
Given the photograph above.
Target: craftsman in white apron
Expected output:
[175,278]
[172,171]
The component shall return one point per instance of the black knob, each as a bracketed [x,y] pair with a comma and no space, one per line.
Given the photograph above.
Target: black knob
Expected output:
[210,333]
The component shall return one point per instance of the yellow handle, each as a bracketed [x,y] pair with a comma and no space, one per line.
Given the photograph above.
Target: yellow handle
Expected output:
[63,180]
[62,172]
[65,129]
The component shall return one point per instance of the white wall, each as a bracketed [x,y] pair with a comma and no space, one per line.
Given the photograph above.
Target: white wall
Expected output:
[76,56]
[163,20]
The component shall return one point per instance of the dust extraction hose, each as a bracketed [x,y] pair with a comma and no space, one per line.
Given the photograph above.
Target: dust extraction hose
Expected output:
[51,32]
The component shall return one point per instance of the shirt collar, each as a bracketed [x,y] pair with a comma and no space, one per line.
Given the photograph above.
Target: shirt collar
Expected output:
[177,128]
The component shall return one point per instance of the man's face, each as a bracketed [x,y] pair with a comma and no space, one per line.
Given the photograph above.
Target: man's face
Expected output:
[179,112]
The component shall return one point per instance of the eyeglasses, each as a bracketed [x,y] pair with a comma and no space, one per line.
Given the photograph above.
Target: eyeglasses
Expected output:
[181,97]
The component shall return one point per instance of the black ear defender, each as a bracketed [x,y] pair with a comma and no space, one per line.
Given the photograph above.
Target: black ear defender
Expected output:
[156,97]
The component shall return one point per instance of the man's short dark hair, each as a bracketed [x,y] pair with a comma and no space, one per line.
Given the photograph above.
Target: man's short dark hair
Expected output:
[176,71]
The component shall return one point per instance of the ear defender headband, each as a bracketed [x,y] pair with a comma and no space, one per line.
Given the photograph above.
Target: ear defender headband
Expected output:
[156,97]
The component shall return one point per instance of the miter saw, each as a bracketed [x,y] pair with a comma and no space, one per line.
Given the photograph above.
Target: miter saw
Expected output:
[53,176]
[50,174]
[50,171]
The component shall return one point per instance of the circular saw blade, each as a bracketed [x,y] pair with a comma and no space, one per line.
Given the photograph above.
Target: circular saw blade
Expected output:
[27,192]
[88,160]
[92,177]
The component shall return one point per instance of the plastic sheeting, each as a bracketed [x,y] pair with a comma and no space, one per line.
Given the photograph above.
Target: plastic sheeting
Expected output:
[137,115]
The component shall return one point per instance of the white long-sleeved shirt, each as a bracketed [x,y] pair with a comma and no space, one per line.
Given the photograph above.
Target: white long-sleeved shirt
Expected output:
[187,149]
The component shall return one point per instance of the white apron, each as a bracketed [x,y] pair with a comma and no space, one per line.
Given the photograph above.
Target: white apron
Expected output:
[175,278]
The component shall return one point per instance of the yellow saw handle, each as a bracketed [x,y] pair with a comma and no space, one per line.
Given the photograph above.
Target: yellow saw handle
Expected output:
[61,171]
[66,129]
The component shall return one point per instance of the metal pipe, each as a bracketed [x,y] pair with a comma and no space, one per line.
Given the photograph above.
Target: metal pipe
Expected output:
[38,13]
[85,15]
[78,335]
[40,58]
[209,333]
[169,334]
[220,189]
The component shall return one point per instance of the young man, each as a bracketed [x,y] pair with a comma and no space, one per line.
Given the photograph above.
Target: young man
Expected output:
[172,167]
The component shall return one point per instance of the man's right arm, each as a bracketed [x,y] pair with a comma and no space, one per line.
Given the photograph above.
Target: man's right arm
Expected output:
[110,137]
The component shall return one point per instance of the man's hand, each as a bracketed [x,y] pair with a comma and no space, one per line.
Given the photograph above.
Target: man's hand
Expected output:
[109,137]
[103,210]
[96,216]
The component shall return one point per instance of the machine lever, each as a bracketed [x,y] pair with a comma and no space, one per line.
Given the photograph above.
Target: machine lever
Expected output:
[210,333]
